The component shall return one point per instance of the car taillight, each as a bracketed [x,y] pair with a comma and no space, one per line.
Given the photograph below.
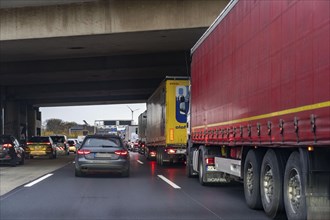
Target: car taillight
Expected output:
[83,152]
[121,152]
[209,161]
[7,145]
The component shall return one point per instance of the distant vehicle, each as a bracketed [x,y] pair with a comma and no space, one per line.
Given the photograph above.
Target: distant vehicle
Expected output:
[80,139]
[135,146]
[11,151]
[72,145]
[102,153]
[166,127]
[150,153]
[141,147]
[61,143]
[41,146]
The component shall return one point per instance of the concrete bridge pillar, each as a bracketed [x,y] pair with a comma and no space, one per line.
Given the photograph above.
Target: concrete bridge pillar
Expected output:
[33,127]
[12,118]
[2,110]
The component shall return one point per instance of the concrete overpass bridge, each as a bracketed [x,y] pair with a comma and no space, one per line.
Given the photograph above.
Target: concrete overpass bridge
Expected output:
[81,52]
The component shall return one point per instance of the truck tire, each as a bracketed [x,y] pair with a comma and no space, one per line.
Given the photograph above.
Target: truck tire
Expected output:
[294,189]
[157,156]
[252,167]
[189,168]
[201,172]
[162,163]
[271,184]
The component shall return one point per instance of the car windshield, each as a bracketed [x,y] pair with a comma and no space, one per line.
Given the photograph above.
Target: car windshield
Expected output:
[39,139]
[102,142]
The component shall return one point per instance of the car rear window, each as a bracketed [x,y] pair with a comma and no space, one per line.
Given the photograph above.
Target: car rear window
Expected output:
[58,139]
[102,142]
[4,140]
[71,143]
[39,139]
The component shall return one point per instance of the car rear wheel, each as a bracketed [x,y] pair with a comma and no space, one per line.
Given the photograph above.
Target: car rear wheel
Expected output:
[125,173]
[78,173]
[22,160]
[13,162]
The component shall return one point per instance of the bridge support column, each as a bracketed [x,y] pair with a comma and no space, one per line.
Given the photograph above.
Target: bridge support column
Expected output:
[12,118]
[2,110]
[33,121]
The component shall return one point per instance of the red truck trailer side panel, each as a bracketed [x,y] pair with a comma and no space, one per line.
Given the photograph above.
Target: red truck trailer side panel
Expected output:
[263,75]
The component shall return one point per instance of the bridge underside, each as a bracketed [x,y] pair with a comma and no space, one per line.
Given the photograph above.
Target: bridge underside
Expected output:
[91,52]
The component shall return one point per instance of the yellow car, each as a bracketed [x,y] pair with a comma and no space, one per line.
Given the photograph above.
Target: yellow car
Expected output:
[41,146]
[72,145]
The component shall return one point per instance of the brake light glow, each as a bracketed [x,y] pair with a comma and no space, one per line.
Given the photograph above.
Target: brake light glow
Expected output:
[7,145]
[121,152]
[83,152]
[171,151]
[209,161]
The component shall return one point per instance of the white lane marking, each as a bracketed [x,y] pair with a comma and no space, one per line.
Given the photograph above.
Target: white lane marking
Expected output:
[38,180]
[139,161]
[169,182]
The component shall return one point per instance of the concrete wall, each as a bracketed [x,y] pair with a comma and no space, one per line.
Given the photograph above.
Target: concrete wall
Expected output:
[106,16]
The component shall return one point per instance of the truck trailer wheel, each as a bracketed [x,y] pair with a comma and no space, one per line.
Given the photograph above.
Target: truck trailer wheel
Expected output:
[294,189]
[201,173]
[271,184]
[252,166]
[189,168]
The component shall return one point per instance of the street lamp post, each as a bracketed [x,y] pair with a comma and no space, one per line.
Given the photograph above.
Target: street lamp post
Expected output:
[132,111]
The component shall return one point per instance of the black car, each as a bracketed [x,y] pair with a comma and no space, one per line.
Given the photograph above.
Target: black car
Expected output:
[102,153]
[11,151]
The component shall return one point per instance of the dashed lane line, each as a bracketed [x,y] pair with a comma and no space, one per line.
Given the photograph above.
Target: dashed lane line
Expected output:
[169,182]
[38,180]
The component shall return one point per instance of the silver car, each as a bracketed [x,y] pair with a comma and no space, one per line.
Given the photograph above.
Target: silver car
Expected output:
[102,153]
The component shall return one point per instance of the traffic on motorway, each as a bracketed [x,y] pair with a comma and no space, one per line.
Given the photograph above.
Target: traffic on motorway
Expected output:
[150,192]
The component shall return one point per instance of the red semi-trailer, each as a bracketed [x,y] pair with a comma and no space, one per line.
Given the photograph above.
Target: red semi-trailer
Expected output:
[260,105]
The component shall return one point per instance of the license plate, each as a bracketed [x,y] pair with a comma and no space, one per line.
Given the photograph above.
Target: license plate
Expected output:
[181,151]
[103,155]
[211,168]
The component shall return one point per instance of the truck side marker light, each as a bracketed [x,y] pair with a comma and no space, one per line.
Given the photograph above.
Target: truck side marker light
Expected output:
[310,148]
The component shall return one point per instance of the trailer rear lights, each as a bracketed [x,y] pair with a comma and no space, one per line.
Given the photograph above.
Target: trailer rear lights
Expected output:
[171,151]
[310,148]
[209,161]
[152,154]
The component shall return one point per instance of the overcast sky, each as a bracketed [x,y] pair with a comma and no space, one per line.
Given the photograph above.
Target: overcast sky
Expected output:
[93,112]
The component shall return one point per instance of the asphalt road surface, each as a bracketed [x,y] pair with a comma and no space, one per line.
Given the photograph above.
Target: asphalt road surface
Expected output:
[151,192]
